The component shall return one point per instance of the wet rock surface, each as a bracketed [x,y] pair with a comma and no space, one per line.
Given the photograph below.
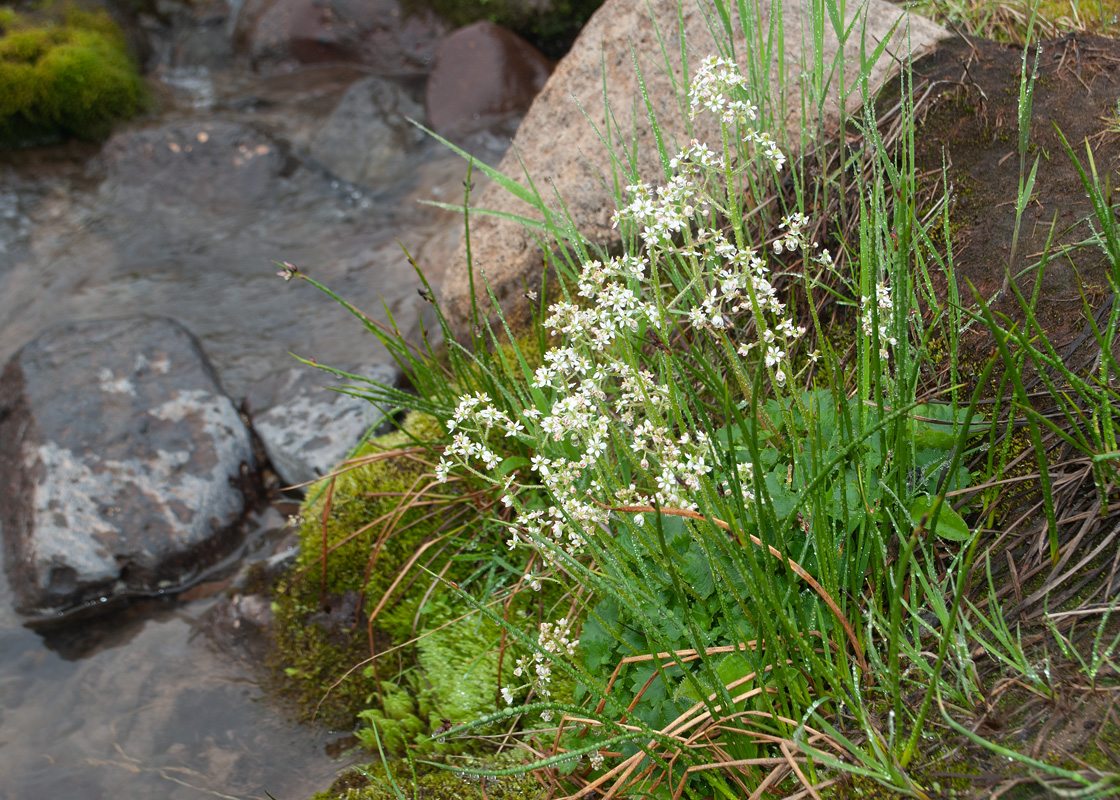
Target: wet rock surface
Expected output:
[483,76]
[204,164]
[122,462]
[184,218]
[306,428]
[159,701]
[181,216]
[377,34]
[558,147]
[363,139]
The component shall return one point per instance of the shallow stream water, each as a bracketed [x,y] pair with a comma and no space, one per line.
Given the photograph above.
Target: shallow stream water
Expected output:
[147,701]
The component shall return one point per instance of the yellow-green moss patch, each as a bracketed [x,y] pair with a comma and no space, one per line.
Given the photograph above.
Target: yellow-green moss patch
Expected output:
[377,781]
[65,73]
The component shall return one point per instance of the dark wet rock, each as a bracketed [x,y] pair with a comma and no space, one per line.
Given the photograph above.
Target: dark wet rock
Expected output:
[203,164]
[375,33]
[306,428]
[191,34]
[122,463]
[484,75]
[366,138]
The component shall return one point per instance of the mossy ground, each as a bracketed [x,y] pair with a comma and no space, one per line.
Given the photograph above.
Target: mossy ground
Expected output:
[376,782]
[64,71]
[440,658]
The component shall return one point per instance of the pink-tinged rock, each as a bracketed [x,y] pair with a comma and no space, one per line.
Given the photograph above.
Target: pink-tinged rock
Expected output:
[484,75]
[559,145]
[378,34]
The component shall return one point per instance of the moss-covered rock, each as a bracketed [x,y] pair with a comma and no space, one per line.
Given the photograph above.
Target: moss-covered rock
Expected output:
[388,530]
[65,71]
[370,531]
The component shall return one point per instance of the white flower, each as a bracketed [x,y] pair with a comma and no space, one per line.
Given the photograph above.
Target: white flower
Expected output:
[507,695]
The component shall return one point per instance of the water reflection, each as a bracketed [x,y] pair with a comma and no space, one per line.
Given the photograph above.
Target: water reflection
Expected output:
[144,704]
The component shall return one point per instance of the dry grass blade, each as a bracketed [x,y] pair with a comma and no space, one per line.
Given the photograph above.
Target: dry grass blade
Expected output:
[703,729]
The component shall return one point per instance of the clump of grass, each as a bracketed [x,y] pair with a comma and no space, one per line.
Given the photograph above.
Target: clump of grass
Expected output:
[1010,20]
[764,545]
[66,72]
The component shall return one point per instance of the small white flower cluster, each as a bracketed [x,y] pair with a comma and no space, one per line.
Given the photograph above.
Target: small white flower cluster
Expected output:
[596,760]
[715,88]
[885,303]
[617,308]
[746,481]
[475,418]
[680,462]
[717,79]
[677,204]
[591,391]
[794,235]
[554,639]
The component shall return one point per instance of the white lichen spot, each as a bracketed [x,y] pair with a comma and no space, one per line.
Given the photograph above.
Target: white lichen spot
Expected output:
[109,383]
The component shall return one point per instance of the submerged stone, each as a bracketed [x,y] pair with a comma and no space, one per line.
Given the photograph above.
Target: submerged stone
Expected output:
[379,34]
[122,463]
[369,134]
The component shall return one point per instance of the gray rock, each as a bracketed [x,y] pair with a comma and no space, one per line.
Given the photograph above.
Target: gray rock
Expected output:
[211,164]
[120,462]
[559,149]
[306,428]
[368,134]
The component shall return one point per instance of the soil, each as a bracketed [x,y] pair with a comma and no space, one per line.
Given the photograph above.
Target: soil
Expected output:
[969,122]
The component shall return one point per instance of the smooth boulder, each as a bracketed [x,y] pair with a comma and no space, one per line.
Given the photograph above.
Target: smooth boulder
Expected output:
[557,145]
[123,465]
[484,75]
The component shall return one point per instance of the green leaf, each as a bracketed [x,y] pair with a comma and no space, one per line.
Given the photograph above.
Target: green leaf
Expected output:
[950,524]
[936,431]
[698,572]
[596,639]
[784,500]
[512,463]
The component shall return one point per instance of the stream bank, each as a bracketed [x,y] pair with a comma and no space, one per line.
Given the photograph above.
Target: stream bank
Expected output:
[180,215]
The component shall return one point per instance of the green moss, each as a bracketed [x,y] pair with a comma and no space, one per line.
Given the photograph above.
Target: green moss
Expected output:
[373,494]
[66,73]
[376,781]
[461,664]
[321,631]
[446,661]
